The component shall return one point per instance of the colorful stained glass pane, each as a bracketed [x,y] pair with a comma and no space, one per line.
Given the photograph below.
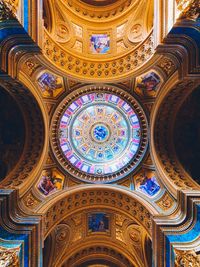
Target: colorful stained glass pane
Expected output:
[100,133]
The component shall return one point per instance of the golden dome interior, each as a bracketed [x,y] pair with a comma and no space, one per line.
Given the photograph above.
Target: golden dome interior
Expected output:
[99,133]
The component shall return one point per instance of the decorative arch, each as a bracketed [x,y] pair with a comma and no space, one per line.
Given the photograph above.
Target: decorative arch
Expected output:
[80,198]
[172,172]
[101,253]
[34,131]
[129,214]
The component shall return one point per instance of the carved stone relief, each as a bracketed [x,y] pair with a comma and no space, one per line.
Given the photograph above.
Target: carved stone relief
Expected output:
[9,257]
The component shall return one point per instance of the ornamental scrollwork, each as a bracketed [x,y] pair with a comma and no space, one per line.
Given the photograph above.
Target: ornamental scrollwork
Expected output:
[9,257]
[167,65]
[190,9]
[166,202]
[6,10]
[186,258]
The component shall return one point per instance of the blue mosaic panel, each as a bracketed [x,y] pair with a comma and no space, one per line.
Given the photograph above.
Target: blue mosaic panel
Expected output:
[98,222]
[149,186]
[99,133]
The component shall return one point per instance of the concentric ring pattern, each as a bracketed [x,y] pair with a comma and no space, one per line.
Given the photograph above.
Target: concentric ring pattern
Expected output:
[100,134]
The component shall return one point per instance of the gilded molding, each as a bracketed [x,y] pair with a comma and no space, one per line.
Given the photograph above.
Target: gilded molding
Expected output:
[100,251]
[166,202]
[97,196]
[99,13]
[80,67]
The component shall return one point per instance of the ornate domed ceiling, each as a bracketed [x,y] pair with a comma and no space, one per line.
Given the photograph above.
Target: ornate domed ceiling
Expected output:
[98,39]
[90,184]
[99,136]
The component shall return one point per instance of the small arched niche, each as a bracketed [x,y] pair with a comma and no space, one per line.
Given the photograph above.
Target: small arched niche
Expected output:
[186,136]
[12,133]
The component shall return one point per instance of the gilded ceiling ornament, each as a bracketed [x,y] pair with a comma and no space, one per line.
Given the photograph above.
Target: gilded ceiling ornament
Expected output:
[72,83]
[30,201]
[77,220]
[13,4]
[62,33]
[62,234]
[78,234]
[190,9]
[78,46]
[119,219]
[96,11]
[186,258]
[9,257]
[166,202]
[31,65]
[136,33]
[119,235]
[167,65]
[6,10]
[91,68]
[134,233]
[125,182]
[98,134]
[120,30]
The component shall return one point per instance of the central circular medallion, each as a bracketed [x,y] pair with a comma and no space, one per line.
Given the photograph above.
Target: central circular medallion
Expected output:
[100,136]
[100,132]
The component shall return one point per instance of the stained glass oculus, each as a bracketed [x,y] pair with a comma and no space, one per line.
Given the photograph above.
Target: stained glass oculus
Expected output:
[99,133]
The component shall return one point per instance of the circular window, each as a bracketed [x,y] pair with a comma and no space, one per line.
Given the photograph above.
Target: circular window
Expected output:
[99,135]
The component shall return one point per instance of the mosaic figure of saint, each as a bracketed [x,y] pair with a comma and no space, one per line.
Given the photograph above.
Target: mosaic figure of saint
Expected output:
[147,85]
[49,83]
[49,183]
